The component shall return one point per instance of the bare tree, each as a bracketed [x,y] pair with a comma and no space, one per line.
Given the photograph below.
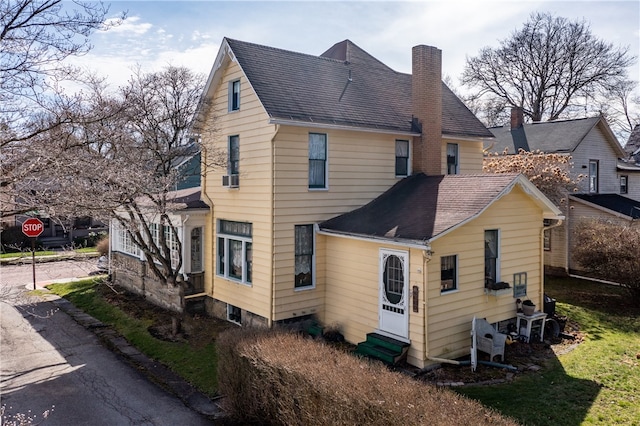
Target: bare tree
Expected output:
[124,166]
[549,67]
[36,36]
[610,251]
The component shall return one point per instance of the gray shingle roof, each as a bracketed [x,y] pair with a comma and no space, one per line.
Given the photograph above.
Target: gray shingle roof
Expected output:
[613,202]
[421,207]
[548,136]
[345,86]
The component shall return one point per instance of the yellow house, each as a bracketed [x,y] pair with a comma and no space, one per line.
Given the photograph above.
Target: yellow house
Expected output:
[354,194]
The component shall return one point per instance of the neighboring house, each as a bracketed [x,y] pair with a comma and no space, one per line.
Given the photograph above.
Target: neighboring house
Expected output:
[340,201]
[605,190]
[128,263]
[189,167]
[629,167]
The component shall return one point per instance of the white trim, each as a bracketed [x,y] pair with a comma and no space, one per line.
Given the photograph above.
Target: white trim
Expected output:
[377,240]
[403,255]
[312,124]
[313,259]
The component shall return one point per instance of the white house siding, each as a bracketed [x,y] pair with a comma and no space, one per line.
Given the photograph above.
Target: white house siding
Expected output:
[595,146]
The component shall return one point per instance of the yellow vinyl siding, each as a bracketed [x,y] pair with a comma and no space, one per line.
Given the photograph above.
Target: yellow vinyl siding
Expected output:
[469,155]
[251,202]
[520,223]
[361,166]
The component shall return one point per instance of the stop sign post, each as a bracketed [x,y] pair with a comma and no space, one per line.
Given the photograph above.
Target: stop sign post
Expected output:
[32,228]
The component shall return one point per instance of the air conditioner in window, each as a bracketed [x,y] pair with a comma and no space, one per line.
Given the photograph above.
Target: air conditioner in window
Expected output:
[231,181]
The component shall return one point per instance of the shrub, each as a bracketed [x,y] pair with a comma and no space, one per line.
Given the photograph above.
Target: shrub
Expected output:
[610,251]
[102,247]
[277,378]
[13,240]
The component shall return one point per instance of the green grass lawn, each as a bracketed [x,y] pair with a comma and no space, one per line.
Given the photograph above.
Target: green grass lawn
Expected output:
[196,363]
[45,253]
[596,383]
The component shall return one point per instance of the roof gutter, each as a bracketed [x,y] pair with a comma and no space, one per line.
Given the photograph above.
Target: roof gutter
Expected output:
[420,245]
[297,123]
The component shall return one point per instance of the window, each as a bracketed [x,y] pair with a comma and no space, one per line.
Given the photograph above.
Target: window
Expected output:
[196,250]
[233,163]
[520,284]
[491,257]
[317,160]
[234,314]
[234,95]
[123,241]
[82,222]
[547,235]
[624,184]
[304,256]
[235,251]
[593,176]
[393,279]
[402,158]
[452,159]
[448,273]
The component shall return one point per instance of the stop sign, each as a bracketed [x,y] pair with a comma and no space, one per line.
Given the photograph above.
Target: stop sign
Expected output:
[32,227]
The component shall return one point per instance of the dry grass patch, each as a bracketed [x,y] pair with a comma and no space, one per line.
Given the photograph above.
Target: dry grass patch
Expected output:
[279,378]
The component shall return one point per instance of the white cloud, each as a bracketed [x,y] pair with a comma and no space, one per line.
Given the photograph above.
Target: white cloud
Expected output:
[131,25]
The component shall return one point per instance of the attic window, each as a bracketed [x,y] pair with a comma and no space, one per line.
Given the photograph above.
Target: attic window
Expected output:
[234,95]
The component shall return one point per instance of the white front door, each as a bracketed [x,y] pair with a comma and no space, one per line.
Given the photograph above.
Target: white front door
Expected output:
[394,289]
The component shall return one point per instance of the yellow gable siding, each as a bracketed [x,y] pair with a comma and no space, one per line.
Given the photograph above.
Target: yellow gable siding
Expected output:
[361,167]
[251,202]
[470,155]
[519,221]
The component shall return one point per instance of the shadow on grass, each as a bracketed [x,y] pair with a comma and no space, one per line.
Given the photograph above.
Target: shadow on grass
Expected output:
[547,397]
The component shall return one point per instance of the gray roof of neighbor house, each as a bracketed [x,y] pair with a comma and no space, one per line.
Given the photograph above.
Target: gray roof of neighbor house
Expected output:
[345,86]
[633,143]
[420,207]
[614,202]
[187,199]
[547,136]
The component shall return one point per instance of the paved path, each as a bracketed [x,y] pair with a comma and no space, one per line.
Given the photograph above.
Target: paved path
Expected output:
[48,361]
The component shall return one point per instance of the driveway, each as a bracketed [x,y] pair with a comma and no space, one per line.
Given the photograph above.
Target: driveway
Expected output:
[51,363]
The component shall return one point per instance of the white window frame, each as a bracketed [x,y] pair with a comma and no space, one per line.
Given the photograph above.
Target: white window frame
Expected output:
[520,284]
[313,260]
[231,316]
[594,173]
[498,248]
[326,163]
[123,241]
[624,184]
[456,157]
[407,158]
[222,255]
[454,257]
[232,96]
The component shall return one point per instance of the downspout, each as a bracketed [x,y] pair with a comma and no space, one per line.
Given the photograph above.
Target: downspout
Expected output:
[426,257]
[542,275]
[273,215]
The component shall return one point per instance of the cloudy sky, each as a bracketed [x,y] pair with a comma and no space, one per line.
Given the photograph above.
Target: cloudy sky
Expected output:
[158,33]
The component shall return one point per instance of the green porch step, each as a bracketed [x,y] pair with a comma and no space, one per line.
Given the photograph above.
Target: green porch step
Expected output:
[383,348]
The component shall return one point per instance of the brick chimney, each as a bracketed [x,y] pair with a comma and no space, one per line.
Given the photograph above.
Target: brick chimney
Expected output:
[517,118]
[426,98]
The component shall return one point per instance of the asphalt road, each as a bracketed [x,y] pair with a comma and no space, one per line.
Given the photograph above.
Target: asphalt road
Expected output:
[49,362]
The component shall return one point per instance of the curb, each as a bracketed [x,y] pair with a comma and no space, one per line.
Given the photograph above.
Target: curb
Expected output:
[154,371]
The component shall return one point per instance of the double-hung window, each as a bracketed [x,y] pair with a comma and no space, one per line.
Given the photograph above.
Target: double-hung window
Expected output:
[402,158]
[317,160]
[304,256]
[452,159]
[593,176]
[448,273]
[491,257]
[123,241]
[624,184]
[233,163]
[234,95]
[235,258]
